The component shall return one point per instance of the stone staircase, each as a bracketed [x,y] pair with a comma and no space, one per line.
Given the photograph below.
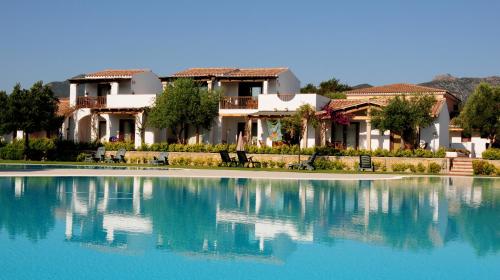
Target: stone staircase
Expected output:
[461,166]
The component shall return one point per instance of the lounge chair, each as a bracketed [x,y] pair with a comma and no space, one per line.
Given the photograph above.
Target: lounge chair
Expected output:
[98,156]
[246,161]
[119,157]
[227,160]
[162,159]
[365,163]
[306,164]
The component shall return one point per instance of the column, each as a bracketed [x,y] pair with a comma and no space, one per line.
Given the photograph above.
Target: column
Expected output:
[73,88]
[107,117]
[265,87]
[138,130]
[164,85]
[94,124]
[209,85]
[369,128]
[369,135]
[260,132]
[249,131]
[114,88]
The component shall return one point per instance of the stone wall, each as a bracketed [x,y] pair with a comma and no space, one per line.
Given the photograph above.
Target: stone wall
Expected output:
[142,157]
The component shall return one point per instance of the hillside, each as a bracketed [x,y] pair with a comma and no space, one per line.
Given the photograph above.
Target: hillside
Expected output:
[462,87]
[61,89]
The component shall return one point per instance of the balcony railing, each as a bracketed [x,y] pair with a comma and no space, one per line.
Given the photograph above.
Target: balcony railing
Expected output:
[91,102]
[239,102]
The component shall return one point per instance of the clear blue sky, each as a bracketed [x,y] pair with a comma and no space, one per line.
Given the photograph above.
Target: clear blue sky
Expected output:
[376,42]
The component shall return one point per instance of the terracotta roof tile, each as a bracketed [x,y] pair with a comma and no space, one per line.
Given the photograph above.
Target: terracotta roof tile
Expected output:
[128,73]
[230,72]
[203,72]
[395,89]
[343,104]
[63,108]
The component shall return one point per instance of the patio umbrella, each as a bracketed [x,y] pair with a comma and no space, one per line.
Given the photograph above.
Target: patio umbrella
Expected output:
[240,146]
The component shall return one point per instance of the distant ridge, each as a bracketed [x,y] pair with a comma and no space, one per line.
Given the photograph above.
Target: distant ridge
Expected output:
[461,87]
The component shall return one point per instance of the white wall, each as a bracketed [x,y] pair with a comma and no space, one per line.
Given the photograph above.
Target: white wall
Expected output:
[270,102]
[288,83]
[125,87]
[440,127]
[130,100]
[146,83]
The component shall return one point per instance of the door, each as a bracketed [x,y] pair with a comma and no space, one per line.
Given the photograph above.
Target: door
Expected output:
[127,130]
[103,89]
[352,135]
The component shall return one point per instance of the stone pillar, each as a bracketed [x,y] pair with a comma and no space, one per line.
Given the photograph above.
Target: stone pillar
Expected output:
[164,85]
[209,85]
[114,88]
[265,87]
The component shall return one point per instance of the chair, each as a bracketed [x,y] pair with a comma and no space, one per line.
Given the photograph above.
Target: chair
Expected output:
[98,156]
[365,163]
[306,164]
[119,157]
[226,159]
[246,161]
[162,159]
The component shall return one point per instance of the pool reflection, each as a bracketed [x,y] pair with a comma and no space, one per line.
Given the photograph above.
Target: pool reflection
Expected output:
[254,219]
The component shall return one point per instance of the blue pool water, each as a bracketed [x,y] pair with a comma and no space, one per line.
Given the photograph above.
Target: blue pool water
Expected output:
[179,228]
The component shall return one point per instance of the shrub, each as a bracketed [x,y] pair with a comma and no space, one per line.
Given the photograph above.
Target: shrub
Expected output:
[14,151]
[81,157]
[399,167]
[434,168]
[491,153]
[412,167]
[482,167]
[420,167]
[115,146]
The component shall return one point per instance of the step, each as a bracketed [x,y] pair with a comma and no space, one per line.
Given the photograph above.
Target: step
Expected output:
[462,164]
[462,160]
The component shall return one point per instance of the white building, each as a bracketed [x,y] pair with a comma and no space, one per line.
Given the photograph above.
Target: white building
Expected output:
[359,134]
[251,97]
[109,105]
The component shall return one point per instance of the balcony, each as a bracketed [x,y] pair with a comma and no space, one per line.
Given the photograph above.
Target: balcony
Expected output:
[239,102]
[91,102]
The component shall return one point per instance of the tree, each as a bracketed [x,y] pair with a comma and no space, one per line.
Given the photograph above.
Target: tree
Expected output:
[32,110]
[332,88]
[184,103]
[309,88]
[4,116]
[405,116]
[482,112]
[297,125]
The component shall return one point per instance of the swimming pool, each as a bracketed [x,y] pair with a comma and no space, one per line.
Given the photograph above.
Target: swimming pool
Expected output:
[187,228]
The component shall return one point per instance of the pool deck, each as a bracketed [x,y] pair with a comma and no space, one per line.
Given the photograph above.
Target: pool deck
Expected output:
[196,173]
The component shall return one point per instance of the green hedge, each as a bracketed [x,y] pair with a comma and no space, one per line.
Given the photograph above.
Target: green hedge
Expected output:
[44,149]
[492,153]
[283,150]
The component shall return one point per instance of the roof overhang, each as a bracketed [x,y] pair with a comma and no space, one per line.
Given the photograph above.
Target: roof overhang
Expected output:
[122,111]
[272,114]
[98,80]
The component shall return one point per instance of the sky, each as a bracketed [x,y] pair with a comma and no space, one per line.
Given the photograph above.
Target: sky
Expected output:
[375,42]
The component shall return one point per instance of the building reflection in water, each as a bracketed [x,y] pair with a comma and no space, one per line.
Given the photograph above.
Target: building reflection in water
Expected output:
[254,219]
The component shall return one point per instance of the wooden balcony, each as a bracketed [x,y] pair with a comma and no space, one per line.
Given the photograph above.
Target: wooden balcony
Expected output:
[239,102]
[91,102]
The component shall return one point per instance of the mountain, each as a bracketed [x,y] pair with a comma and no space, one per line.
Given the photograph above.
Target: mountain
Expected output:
[461,87]
[61,89]
[361,86]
